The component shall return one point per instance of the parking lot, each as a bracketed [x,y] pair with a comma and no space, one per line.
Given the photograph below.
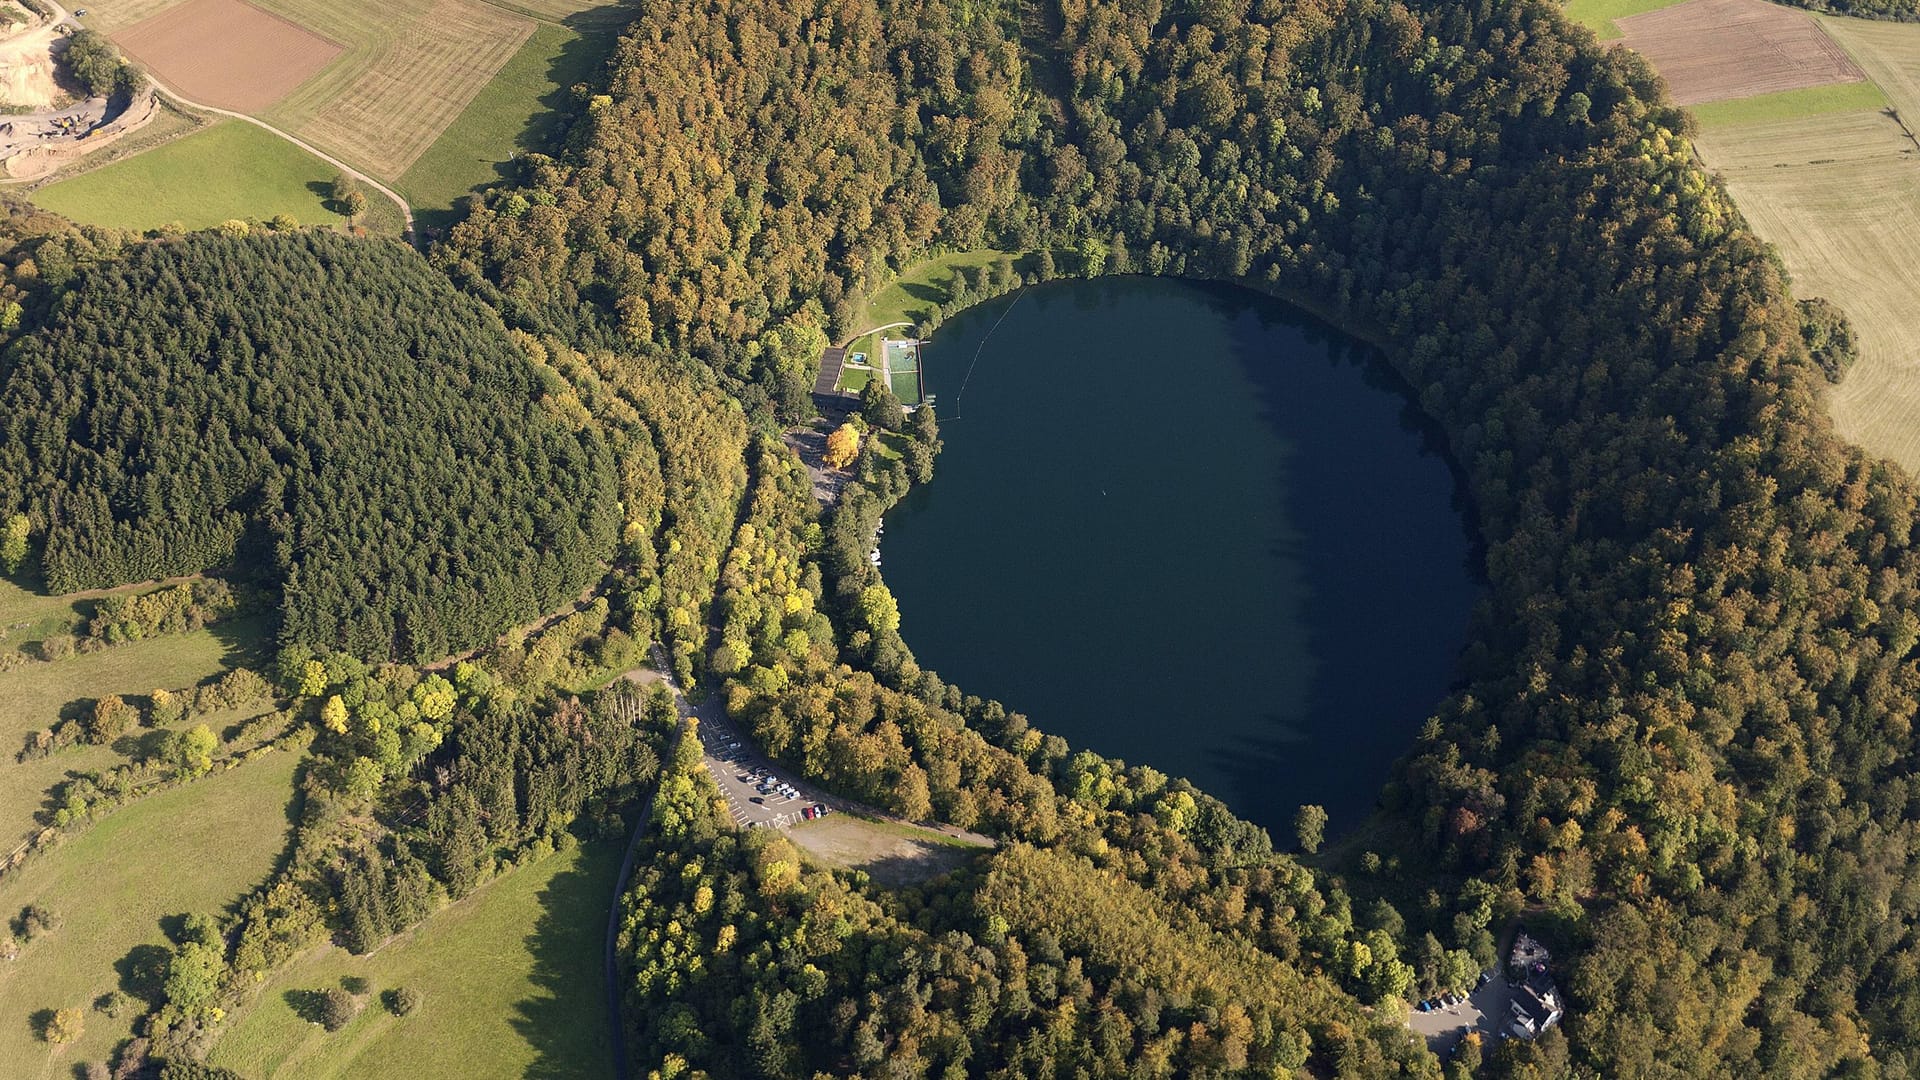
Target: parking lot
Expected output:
[759,792]
[740,771]
[1486,1010]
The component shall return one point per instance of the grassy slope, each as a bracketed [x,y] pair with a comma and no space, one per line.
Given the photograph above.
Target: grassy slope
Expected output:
[1790,104]
[229,170]
[1598,15]
[515,112]
[192,848]
[510,979]
[31,698]
[919,286]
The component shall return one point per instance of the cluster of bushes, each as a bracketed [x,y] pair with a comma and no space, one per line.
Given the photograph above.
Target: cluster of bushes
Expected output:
[110,717]
[99,67]
[176,610]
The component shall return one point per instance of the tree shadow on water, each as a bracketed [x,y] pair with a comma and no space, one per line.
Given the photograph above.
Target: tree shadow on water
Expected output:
[566,1020]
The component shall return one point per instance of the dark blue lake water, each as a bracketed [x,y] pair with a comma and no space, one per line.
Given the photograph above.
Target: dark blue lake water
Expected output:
[1189,527]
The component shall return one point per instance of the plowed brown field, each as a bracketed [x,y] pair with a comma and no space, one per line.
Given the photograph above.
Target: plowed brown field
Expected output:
[1711,50]
[227,52]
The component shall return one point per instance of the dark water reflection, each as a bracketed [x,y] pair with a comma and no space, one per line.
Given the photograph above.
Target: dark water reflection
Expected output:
[1189,527]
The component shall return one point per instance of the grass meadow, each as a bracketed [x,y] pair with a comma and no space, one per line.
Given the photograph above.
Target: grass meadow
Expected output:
[912,292]
[1598,15]
[1790,105]
[231,169]
[510,980]
[198,847]
[515,112]
[35,695]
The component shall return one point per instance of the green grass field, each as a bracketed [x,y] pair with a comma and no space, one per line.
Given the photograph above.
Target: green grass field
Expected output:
[32,697]
[198,847]
[1598,15]
[510,980]
[515,112]
[1789,105]
[229,170]
[920,285]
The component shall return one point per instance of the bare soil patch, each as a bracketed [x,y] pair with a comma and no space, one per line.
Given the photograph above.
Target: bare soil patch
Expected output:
[1712,50]
[227,52]
[891,854]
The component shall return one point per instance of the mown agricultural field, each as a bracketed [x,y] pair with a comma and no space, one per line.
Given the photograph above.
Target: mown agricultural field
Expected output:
[1710,50]
[516,112]
[410,67]
[509,981]
[1824,166]
[194,848]
[229,170]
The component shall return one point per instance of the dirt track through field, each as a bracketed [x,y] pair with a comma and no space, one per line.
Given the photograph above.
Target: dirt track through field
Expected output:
[1712,50]
[227,52]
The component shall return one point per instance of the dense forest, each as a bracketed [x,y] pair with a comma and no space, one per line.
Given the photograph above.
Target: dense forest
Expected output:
[747,962]
[1686,727]
[1682,746]
[382,451]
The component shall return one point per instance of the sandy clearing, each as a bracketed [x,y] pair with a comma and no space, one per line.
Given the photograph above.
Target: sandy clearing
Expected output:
[1712,50]
[26,69]
[227,52]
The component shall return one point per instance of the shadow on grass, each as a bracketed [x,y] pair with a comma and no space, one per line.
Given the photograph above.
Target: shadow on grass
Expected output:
[247,641]
[143,972]
[567,1023]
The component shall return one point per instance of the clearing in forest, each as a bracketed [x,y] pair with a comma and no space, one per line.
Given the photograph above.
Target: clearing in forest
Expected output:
[1711,50]
[197,847]
[509,981]
[227,53]
[410,68]
[892,853]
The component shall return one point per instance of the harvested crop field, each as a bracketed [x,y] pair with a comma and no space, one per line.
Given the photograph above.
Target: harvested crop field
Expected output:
[227,52]
[1711,50]
[410,70]
[1839,196]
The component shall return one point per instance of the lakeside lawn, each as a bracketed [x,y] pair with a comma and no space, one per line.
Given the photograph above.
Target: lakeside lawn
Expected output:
[919,286]
[228,170]
[510,980]
[198,847]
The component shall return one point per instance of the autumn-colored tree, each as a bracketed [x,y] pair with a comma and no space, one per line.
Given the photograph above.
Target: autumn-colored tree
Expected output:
[64,1026]
[111,715]
[13,543]
[843,446]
